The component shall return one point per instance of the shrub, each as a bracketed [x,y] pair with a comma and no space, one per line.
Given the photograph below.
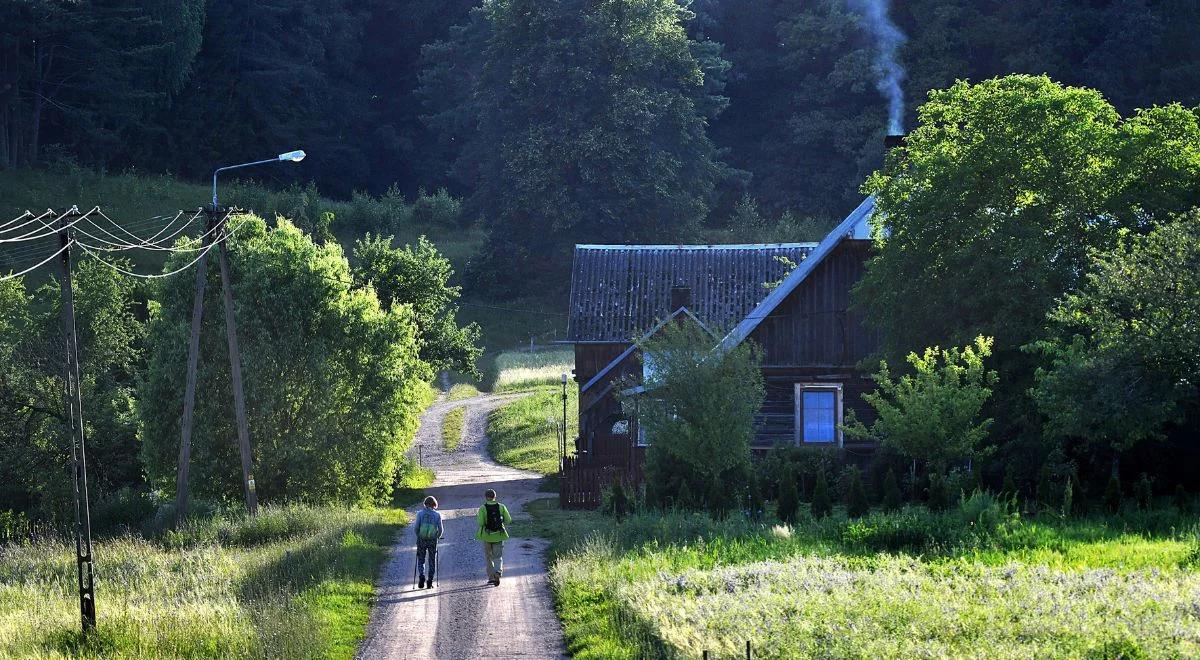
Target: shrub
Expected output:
[1182,501]
[1112,495]
[697,411]
[616,500]
[437,209]
[932,415]
[985,513]
[822,504]
[939,492]
[856,495]
[1144,493]
[789,499]
[891,492]
[1068,498]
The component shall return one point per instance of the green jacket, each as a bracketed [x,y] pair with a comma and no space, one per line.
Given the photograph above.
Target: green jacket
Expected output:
[491,537]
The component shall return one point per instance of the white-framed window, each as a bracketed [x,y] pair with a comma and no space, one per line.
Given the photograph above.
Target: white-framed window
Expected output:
[641,437]
[819,414]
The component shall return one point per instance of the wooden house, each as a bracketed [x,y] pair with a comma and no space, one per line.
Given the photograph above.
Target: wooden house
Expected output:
[811,339]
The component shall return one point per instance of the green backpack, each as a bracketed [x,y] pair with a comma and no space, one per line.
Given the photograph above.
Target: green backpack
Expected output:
[428,530]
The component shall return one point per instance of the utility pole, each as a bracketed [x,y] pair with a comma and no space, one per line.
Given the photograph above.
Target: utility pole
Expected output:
[235,371]
[189,397]
[215,227]
[74,410]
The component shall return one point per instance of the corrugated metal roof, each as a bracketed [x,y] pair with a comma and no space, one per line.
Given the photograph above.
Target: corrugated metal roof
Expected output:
[618,292]
[855,226]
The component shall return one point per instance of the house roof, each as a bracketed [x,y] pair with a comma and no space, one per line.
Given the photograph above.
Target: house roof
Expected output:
[650,333]
[618,292]
[855,226]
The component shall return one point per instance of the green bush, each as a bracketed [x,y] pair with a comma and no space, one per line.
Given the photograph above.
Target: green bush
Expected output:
[891,492]
[789,499]
[1182,501]
[1144,492]
[856,495]
[1112,495]
[822,503]
[939,492]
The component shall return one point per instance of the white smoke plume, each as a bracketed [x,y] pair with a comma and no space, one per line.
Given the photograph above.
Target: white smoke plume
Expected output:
[888,39]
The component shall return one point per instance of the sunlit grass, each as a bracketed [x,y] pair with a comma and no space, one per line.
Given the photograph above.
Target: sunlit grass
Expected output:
[293,582]
[462,391]
[911,584]
[452,428]
[523,433]
[521,371]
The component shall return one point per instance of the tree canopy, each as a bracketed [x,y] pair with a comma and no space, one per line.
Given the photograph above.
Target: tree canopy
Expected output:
[992,210]
[334,379]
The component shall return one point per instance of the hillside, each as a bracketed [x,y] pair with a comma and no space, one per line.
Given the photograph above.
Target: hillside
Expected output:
[135,200]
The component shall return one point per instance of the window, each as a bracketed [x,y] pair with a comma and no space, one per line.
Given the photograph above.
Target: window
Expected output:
[620,427]
[818,413]
[641,438]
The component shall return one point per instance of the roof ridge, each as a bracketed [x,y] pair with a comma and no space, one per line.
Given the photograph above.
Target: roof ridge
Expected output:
[697,246]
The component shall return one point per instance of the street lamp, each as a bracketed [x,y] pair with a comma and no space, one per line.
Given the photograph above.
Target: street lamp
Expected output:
[289,157]
[562,456]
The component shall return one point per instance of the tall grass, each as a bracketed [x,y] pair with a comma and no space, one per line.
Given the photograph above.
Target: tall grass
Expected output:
[292,582]
[523,434]
[515,371]
[893,585]
[452,428]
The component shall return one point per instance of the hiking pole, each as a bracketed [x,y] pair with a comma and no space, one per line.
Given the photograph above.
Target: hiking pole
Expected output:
[416,561]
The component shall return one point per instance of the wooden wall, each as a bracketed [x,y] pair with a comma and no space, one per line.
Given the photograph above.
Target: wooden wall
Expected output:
[815,326]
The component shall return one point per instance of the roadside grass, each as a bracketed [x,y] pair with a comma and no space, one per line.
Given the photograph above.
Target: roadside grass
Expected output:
[460,391]
[295,581]
[516,371]
[523,435]
[411,481]
[452,428]
[912,583]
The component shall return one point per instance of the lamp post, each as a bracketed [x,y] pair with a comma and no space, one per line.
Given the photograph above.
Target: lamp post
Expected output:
[291,156]
[562,454]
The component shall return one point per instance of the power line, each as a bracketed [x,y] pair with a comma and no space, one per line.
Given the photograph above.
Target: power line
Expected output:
[39,265]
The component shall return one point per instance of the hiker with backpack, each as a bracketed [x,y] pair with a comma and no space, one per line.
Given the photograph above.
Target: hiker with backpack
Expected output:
[428,526]
[492,518]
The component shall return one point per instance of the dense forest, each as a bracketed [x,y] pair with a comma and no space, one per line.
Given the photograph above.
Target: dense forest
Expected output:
[702,105]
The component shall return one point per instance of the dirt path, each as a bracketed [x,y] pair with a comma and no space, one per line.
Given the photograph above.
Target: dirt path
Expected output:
[462,617]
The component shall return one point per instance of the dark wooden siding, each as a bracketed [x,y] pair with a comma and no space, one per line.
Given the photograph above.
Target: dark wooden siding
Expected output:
[776,421]
[815,325]
[591,358]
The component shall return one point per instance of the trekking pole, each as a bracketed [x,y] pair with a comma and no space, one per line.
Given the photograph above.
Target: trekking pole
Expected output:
[415,562]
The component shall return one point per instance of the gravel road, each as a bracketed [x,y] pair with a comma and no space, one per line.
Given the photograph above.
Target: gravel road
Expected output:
[462,616]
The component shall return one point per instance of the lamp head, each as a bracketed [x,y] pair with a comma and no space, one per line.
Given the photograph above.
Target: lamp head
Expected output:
[564,379]
[293,156]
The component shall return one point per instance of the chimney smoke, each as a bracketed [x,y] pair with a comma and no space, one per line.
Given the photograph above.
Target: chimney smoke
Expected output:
[890,73]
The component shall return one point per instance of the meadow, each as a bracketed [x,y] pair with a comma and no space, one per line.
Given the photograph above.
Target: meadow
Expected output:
[452,428]
[972,582]
[294,581]
[523,434]
[521,370]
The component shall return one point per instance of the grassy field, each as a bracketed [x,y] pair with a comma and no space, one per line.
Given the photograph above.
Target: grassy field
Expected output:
[522,434]
[909,584]
[521,370]
[292,582]
[460,391]
[452,428]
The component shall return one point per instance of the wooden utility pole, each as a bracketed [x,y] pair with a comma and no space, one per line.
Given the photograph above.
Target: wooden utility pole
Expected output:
[74,410]
[214,227]
[235,370]
[189,396]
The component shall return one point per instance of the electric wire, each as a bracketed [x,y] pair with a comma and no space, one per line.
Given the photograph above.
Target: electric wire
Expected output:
[39,265]
[30,235]
[203,253]
[122,246]
[155,239]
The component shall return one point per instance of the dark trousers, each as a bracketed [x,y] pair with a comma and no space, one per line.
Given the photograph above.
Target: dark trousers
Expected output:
[427,548]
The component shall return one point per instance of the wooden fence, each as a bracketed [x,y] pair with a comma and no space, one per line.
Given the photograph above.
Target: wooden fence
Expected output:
[582,486]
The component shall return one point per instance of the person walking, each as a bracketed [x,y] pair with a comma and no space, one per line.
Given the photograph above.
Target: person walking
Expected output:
[492,518]
[428,525]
